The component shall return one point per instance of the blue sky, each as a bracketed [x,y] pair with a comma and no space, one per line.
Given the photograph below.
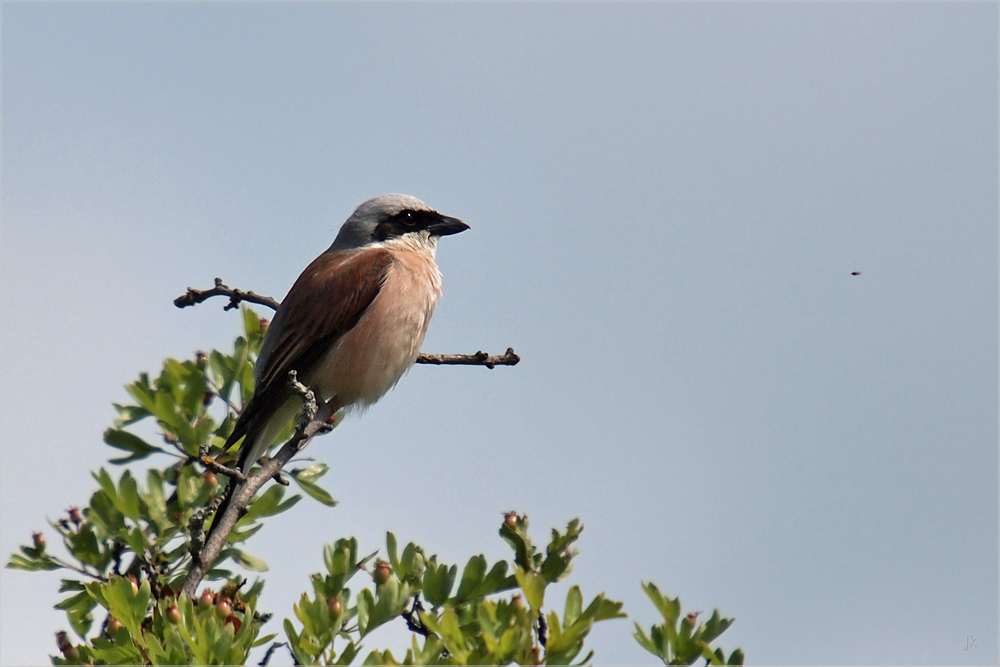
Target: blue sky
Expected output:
[667,202]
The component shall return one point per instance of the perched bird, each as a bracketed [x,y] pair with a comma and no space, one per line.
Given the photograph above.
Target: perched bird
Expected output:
[353,322]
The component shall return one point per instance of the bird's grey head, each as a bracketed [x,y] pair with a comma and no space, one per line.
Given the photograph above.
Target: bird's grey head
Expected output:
[387,217]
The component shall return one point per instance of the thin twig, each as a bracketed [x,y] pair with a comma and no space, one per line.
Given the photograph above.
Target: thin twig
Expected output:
[60,562]
[220,469]
[508,358]
[195,296]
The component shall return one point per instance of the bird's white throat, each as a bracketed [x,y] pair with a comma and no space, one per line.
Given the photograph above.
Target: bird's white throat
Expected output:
[421,241]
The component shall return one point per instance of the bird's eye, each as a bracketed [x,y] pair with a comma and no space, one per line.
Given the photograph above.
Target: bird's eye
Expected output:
[409,219]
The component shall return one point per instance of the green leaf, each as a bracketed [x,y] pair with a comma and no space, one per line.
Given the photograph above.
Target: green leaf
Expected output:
[77,608]
[388,604]
[136,540]
[390,547]
[496,581]
[86,548]
[129,442]
[18,562]
[602,609]
[113,654]
[661,603]
[348,654]
[472,577]
[447,627]
[556,565]
[269,503]
[438,581]
[715,626]
[564,645]
[365,603]
[66,585]
[644,640]
[107,484]
[658,636]
[223,370]
[248,561]
[156,503]
[80,620]
[574,606]
[104,512]
[716,657]
[533,586]
[312,473]
[118,597]
[301,657]
[251,324]
[316,492]
[517,537]
[129,502]
[260,641]
[129,414]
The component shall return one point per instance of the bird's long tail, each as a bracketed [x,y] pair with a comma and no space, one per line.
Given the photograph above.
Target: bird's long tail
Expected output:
[250,445]
[258,437]
[259,434]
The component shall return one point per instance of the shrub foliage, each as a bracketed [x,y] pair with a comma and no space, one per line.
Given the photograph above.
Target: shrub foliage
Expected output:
[127,552]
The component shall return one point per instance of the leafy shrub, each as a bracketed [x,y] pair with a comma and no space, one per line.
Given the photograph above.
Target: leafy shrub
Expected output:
[129,550]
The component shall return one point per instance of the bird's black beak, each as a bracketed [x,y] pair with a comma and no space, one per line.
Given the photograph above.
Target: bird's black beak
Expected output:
[446,226]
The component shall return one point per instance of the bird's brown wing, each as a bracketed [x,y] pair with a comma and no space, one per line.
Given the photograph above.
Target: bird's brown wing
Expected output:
[326,301]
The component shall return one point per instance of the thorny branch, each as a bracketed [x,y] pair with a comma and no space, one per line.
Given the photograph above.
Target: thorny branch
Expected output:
[216,467]
[508,358]
[195,525]
[236,296]
[312,420]
[195,296]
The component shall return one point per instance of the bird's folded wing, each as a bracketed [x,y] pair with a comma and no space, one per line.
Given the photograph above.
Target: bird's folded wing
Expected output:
[326,301]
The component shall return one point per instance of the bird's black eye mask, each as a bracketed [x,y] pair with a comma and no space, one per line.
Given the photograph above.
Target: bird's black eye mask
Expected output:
[405,222]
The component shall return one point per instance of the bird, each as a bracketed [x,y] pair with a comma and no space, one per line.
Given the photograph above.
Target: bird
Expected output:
[353,322]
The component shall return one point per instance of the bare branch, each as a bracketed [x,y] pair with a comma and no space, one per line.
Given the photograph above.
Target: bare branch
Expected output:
[216,467]
[195,524]
[195,296]
[508,358]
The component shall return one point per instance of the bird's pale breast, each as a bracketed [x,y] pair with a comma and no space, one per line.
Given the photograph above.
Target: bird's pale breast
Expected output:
[370,358]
